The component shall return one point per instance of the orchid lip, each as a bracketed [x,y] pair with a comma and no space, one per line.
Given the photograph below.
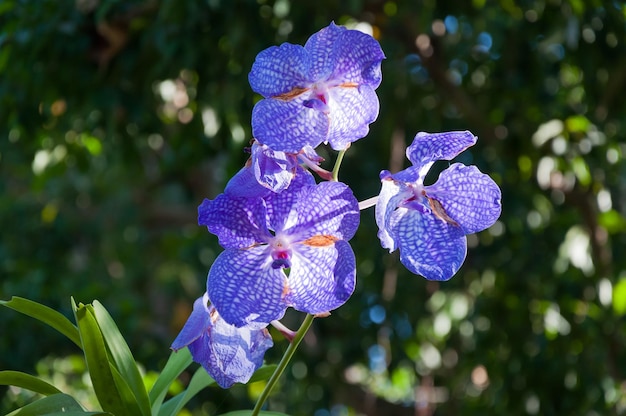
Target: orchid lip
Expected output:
[281,259]
[280,252]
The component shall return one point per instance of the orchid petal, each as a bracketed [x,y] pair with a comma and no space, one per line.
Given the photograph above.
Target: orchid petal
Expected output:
[321,278]
[229,354]
[245,288]
[309,153]
[390,197]
[412,174]
[428,246]
[322,56]
[281,213]
[352,109]
[359,56]
[278,70]
[430,147]
[288,126]
[232,354]
[468,196]
[244,184]
[273,169]
[328,208]
[237,222]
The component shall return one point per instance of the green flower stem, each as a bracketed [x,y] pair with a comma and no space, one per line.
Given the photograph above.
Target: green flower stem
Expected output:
[282,365]
[338,165]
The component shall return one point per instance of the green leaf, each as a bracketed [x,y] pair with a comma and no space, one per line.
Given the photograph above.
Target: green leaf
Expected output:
[199,381]
[128,397]
[56,404]
[111,390]
[175,365]
[619,297]
[28,382]
[249,412]
[46,315]
[123,358]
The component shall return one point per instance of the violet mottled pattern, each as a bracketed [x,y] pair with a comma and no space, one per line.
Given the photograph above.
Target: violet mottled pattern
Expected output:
[229,354]
[428,223]
[270,171]
[303,229]
[322,92]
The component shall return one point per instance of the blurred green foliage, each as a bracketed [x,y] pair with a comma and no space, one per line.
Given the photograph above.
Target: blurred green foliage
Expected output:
[118,117]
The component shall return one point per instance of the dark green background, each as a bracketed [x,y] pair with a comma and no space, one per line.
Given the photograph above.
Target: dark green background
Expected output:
[101,177]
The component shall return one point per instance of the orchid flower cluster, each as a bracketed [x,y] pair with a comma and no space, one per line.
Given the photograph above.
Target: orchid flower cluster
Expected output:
[286,234]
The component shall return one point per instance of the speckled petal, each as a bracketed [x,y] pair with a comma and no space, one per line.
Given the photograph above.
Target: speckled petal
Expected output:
[359,57]
[391,195]
[237,222]
[281,212]
[429,246]
[244,184]
[278,70]
[468,196]
[352,111]
[288,126]
[273,169]
[230,354]
[429,147]
[321,54]
[309,153]
[321,278]
[328,208]
[244,288]
[411,174]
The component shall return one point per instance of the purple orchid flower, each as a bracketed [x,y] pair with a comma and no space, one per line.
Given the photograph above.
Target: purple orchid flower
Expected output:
[302,230]
[228,353]
[322,92]
[428,223]
[270,171]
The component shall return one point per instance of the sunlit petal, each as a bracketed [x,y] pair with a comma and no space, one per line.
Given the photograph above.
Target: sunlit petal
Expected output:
[244,184]
[429,246]
[321,278]
[388,200]
[281,207]
[245,288]
[352,109]
[328,208]
[429,147]
[278,70]
[468,196]
[288,126]
[229,354]
[237,222]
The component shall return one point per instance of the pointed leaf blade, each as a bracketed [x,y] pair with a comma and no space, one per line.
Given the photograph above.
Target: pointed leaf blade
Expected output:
[105,384]
[28,382]
[56,404]
[249,413]
[199,381]
[122,357]
[46,315]
[175,365]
